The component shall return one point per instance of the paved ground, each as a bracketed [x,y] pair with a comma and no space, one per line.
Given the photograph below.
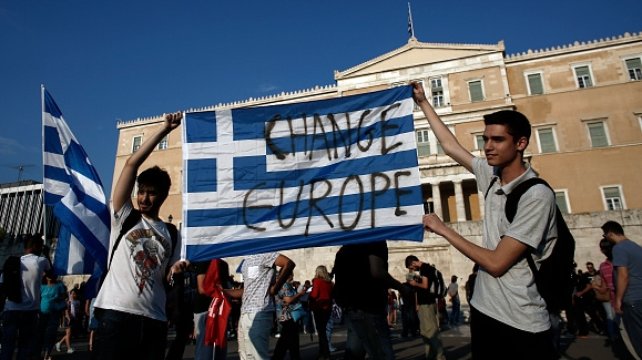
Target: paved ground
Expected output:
[456,342]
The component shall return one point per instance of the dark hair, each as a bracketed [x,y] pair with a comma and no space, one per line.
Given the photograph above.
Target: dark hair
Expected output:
[607,248]
[612,226]
[33,241]
[516,123]
[410,259]
[156,177]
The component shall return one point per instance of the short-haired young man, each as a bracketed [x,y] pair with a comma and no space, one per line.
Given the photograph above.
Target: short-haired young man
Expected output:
[627,261]
[427,286]
[20,316]
[509,317]
[130,306]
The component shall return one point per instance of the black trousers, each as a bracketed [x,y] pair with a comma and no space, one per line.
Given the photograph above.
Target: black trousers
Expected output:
[492,339]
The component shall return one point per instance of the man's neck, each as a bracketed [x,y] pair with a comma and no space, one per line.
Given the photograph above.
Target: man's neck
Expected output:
[512,172]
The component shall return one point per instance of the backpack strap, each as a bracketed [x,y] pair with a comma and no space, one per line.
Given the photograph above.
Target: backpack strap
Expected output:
[512,200]
[492,182]
[130,221]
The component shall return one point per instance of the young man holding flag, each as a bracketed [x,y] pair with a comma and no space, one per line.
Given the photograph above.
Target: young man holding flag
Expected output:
[130,306]
[509,318]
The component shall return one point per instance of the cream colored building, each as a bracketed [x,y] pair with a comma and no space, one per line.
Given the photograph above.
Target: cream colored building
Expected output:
[584,101]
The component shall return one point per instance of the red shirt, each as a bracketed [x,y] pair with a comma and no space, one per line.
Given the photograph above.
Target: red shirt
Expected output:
[321,295]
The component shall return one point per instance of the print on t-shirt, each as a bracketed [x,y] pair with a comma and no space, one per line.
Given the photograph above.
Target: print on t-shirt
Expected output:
[144,247]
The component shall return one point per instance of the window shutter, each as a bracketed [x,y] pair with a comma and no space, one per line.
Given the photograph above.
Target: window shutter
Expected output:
[546,140]
[598,136]
[476,93]
[535,84]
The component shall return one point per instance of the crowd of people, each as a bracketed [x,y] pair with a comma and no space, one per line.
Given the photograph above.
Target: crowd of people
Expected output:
[147,286]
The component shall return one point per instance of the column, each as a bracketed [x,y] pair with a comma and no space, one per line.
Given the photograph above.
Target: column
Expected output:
[459,201]
[436,200]
[480,196]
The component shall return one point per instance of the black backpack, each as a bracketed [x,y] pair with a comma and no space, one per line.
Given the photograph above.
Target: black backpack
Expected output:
[554,279]
[12,277]
[436,286]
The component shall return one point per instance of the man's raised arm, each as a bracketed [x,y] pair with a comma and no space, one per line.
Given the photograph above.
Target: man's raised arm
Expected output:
[125,184]
[448,141]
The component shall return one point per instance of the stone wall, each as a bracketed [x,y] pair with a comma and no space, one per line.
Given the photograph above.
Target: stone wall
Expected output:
[435,250]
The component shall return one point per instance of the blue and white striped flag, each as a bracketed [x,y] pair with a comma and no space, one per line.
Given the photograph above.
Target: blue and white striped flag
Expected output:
[73,188]
[320,173]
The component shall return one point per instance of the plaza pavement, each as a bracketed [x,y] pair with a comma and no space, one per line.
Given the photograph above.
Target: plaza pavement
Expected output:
[456,343]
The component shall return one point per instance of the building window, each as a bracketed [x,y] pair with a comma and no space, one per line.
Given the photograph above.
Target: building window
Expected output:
[476,91]
[583,76]
[634,67]
[479,142]
[535,85]
[136,142]
[597,133]
[546,140]
[423,143]
[162,145]
[613,197]
[437,93]
[561,199]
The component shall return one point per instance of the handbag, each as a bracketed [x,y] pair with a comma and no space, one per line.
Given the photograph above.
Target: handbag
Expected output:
[285,315]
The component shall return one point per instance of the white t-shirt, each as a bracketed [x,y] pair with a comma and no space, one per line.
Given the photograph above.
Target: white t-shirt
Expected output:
[513,298]
[33,269]
[453,290]
[135,279]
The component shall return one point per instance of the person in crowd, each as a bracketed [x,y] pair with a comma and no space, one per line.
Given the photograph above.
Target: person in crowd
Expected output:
[501,327]
[180,311]
[409,318]
[53,302]
[130,305]
[392,308]
[69,322]
[21,281]
[291,312]
[261,283]
[470,283]
[428,289]
[212,277]
[453,294]
[585,303]
[92,323]
[361,289]
[627,260]
[605,271]
[307,323]
[321,305]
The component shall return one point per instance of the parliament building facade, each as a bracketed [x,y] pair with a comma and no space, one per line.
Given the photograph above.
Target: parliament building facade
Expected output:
[584,101]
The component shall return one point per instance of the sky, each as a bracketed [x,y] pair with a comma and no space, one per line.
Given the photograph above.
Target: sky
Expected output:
[105,61]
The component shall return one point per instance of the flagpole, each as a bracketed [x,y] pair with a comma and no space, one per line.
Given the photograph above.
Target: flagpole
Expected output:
[411,25]
[42,141]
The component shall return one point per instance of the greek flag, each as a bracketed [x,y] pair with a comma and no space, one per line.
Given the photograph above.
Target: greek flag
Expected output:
[321,173]
[72,187]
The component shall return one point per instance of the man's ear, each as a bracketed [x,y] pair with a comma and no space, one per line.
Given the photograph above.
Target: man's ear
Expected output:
[522,143]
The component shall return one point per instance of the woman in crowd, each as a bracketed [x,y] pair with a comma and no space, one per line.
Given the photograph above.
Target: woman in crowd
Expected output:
[291,312]
[321,306]
[53,301]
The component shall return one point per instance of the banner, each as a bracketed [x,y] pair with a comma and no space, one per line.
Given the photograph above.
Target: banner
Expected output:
[328,172]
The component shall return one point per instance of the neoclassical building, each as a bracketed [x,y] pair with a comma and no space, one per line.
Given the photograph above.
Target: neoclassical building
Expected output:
[584,101]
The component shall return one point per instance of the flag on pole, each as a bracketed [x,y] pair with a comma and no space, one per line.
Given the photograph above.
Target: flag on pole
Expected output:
[411,28]
[319,173]
[74,190]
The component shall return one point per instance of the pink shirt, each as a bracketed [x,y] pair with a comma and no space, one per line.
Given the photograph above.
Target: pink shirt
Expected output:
[606,272]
